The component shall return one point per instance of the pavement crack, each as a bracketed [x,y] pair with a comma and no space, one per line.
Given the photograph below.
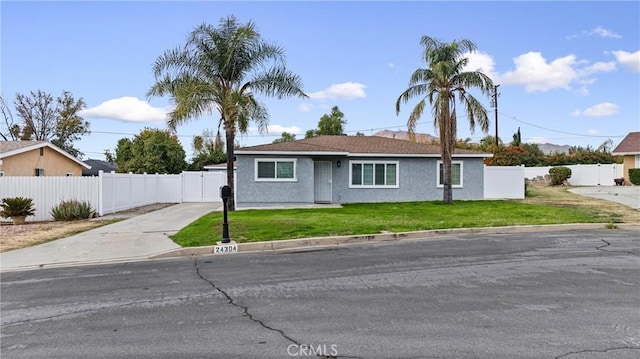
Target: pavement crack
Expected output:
[596,351]
[244,308]
[607,244]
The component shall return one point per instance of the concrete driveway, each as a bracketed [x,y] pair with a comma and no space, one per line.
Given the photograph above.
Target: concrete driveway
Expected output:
[134,238]
[627,195]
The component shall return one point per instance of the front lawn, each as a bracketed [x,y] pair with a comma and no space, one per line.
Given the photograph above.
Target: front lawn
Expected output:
[372,218]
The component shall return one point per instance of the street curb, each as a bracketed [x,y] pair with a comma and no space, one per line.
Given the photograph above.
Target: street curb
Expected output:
[272,246]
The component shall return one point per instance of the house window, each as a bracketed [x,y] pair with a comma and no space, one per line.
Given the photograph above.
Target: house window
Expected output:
[456,174]
[373,174]
[269,169]
[39,171]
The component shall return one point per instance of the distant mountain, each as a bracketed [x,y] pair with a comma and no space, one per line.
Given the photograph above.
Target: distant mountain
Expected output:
[548,148]
[404,135]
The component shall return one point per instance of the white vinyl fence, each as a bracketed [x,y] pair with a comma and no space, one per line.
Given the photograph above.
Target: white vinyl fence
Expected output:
[114,192]
[583,175]
[504,182]
[47,192]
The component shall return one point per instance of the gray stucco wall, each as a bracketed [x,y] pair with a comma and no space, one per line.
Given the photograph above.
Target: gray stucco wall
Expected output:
[417,182]
[250,193]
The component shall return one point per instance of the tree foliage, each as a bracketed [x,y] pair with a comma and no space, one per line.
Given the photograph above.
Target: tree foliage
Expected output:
[151,151]
[208,149]
[42,119]
[443,83]
[285,137]
[329,124]
[221,69]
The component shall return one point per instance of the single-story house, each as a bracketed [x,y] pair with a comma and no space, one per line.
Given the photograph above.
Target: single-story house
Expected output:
[97,166]
[351,169]
[37,158]
[630,149]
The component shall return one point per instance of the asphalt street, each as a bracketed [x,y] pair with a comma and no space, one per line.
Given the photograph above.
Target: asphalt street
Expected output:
[572,294]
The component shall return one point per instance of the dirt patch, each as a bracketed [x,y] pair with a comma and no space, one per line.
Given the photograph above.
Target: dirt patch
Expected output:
[32,233]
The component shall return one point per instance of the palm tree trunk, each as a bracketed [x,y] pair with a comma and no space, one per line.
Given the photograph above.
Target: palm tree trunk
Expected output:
[230,137]
[447,196]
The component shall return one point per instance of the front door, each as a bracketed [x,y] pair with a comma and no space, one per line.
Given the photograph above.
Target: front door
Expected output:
[322,181]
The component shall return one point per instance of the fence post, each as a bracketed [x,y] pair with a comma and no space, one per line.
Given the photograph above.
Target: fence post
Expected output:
[100,197]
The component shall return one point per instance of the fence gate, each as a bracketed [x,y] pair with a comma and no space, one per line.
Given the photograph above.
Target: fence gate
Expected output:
[202,186]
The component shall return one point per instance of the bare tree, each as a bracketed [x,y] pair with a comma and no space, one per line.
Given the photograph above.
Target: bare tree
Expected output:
[9,131]
[38,114]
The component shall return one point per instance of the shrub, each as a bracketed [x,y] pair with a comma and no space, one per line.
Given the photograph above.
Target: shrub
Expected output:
[634,175]
[559,175]
[72,210]
[17,207]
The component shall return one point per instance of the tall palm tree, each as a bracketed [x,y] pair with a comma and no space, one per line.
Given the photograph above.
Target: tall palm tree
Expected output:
[220,69]
[442,82]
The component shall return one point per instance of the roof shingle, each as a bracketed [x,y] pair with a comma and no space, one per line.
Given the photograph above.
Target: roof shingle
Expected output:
[353,145]
[630,145]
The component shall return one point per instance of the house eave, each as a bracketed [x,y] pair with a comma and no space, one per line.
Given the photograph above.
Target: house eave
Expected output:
[40,145]
[292,153]
[625,153]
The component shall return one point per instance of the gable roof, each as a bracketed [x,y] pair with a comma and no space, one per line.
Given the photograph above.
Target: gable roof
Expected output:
[12,148]
[97,166]
[369,146]
[630,145]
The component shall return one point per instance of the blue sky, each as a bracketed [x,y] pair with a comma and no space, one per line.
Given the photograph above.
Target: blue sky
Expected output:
[569,72]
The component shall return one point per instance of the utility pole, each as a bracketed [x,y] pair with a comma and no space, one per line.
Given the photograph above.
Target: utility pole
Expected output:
[495,105]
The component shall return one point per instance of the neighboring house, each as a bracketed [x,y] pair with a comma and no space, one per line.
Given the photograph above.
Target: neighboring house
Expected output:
[630,149]
[219,167]
[97,166]
[350,169]
[37,158]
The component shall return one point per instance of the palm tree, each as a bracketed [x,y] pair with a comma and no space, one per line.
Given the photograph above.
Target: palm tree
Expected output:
[220,69]
[443,82]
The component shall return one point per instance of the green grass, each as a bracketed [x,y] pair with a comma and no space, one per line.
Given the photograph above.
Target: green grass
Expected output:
[372,218]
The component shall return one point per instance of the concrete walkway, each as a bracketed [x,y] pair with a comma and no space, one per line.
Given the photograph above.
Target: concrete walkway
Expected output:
[627,195]
[134,238]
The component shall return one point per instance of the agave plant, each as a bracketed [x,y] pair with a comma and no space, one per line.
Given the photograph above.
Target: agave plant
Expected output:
[17,208]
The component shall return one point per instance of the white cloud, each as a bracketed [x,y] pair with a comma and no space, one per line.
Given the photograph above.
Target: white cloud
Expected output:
[602,32]
[575,113]
[533,71]
[628,59]
[305,107]
[593,131]
[481,61]
[391,65]
[129,109]
[601,110]
[598,67]
[346,90]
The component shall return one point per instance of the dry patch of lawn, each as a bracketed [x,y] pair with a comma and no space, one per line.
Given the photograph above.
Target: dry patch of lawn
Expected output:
[27,235]
[560,196]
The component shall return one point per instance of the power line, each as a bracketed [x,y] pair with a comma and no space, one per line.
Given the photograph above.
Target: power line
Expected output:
[558,131]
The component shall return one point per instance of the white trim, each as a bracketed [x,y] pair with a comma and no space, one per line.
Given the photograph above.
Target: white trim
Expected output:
[275,160]
[41,145]
[291,153]
[625,153]
[396,163]
[461,163]
[348,154]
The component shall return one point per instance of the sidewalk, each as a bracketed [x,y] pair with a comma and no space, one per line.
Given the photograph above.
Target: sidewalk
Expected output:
[131,239]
